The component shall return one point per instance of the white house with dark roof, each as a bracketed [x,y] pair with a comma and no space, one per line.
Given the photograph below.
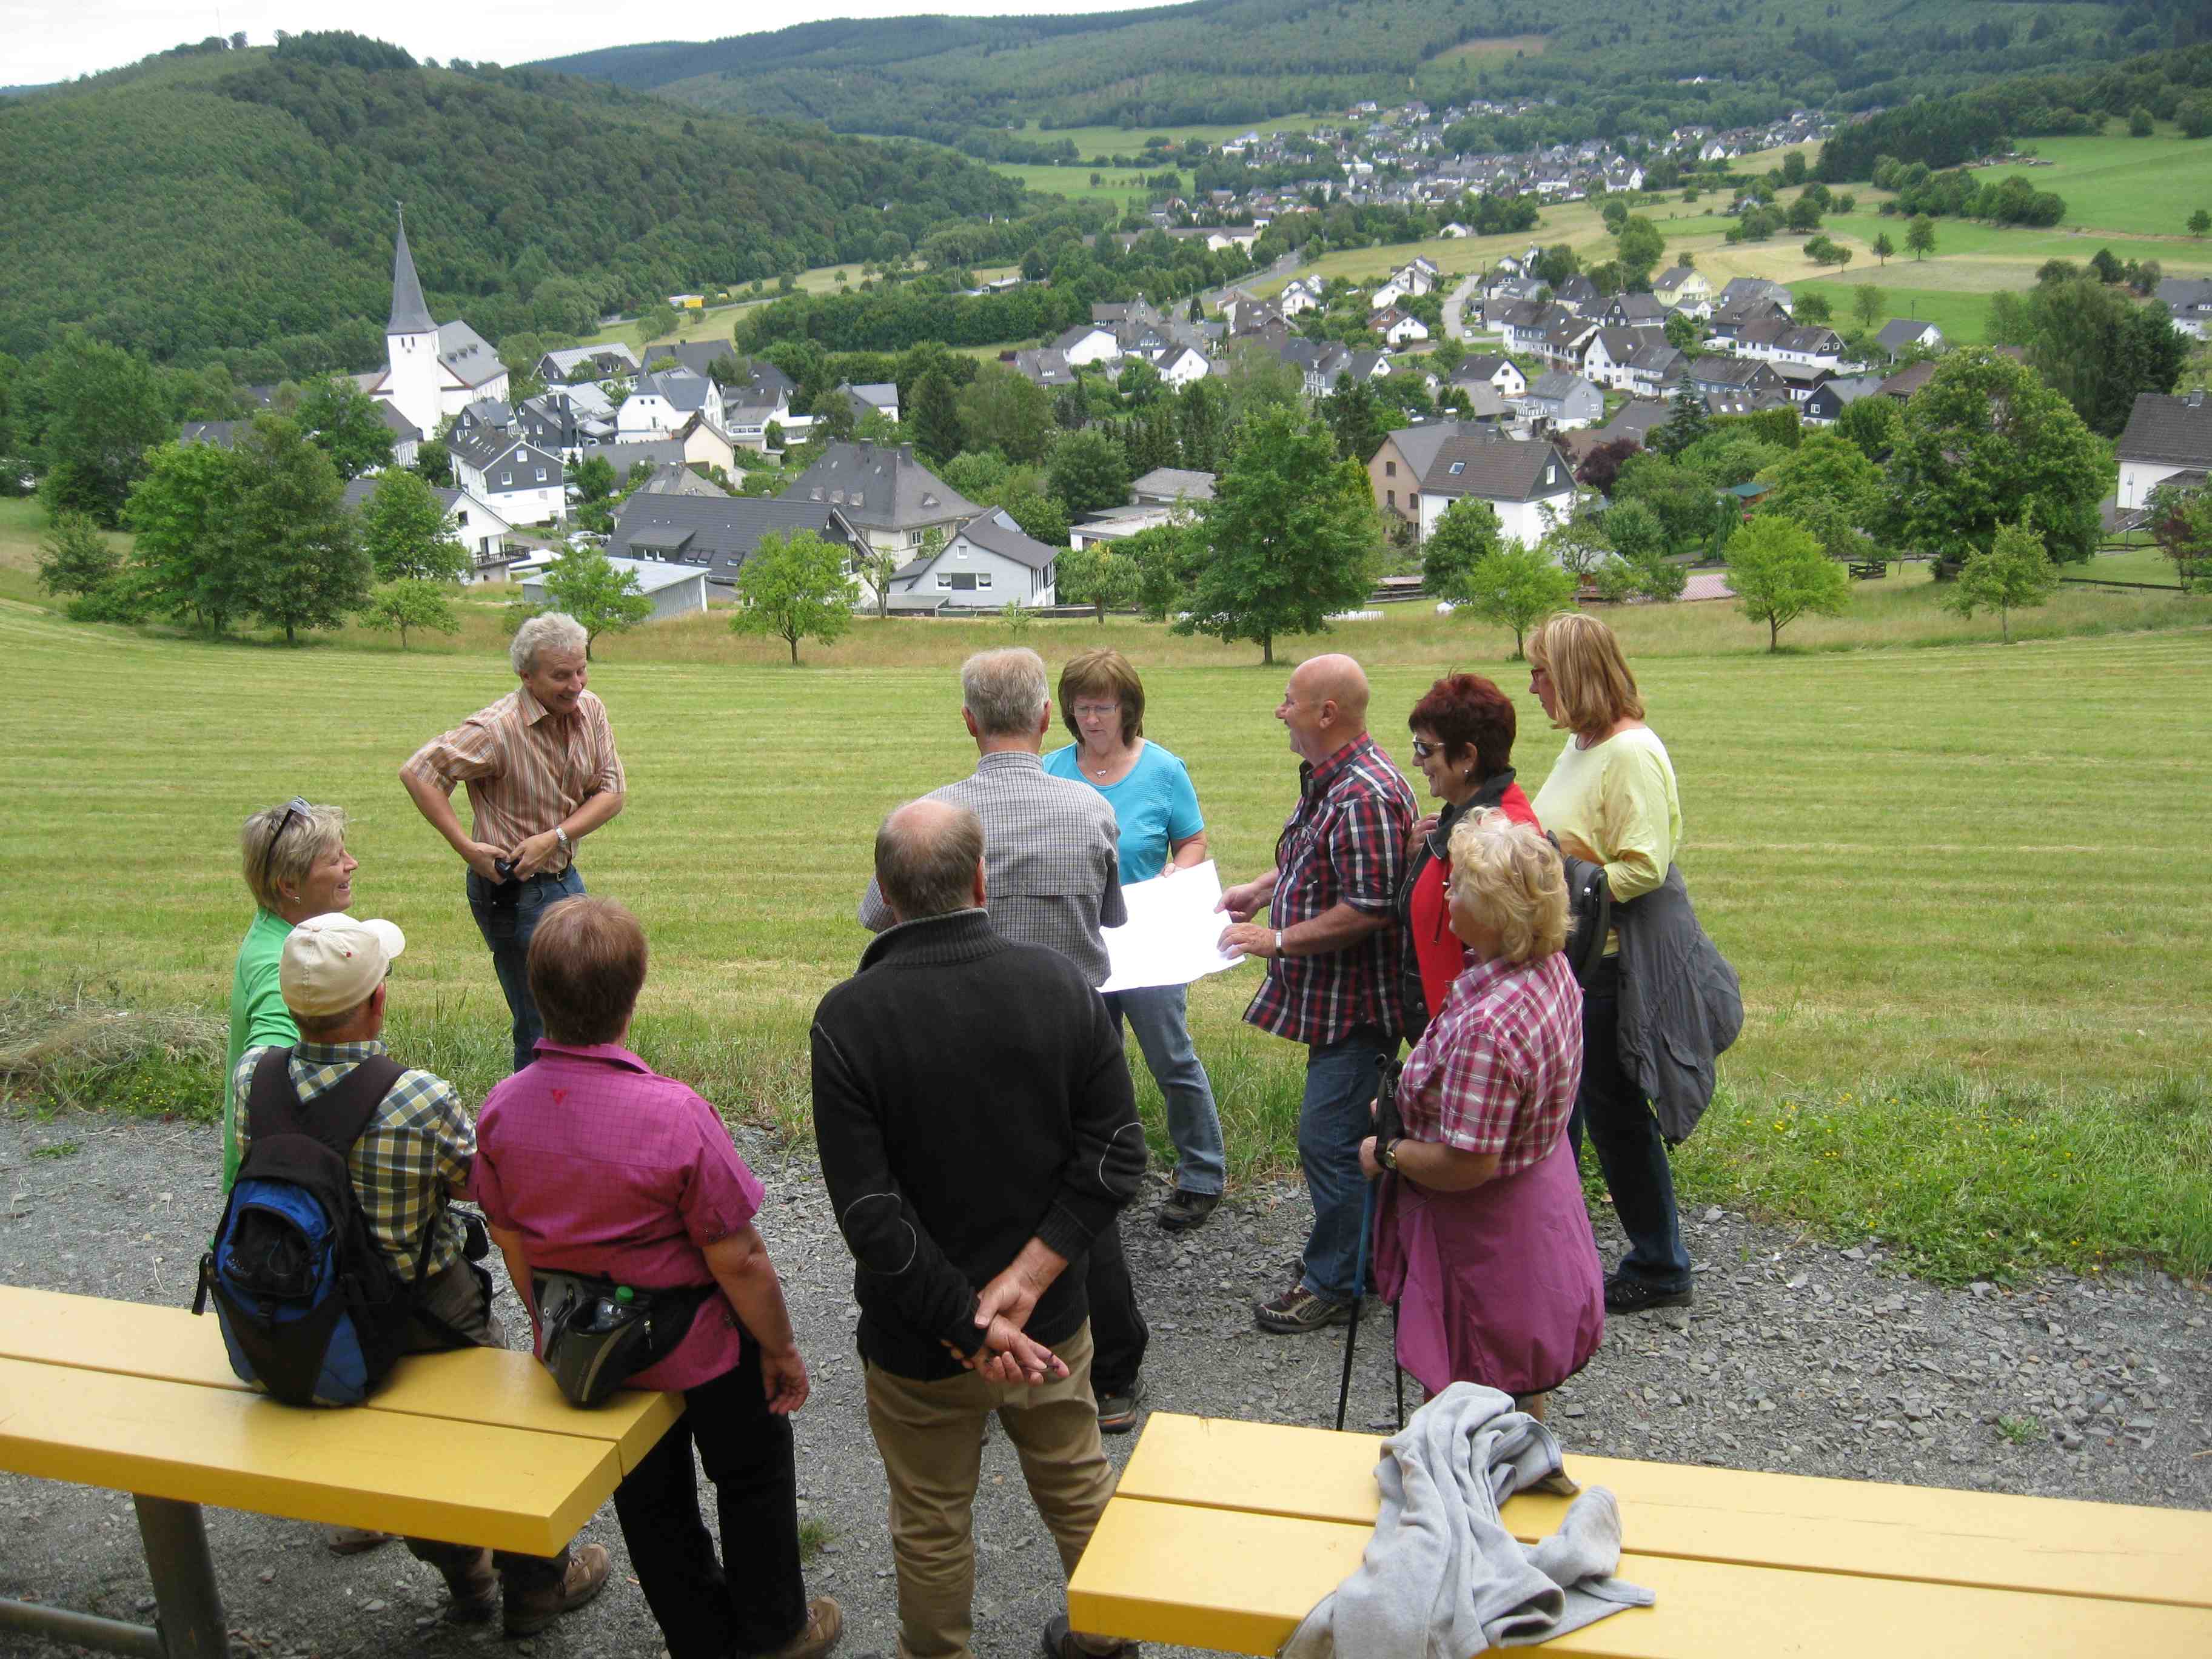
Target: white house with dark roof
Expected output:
[885,493]
[1902,334]
[1088,342]
[1520,481]
[987,562]
[2165,438]
[1827,402]
[1163,486]
[674,590]
[477,524]
[662,402]
[2188,300]
[1502,372]
[718,533]
[598,362]
[874,396]
[523,483]
[1567,401]
[432,369]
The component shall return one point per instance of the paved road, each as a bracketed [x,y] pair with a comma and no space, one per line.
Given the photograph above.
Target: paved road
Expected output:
[1454,328]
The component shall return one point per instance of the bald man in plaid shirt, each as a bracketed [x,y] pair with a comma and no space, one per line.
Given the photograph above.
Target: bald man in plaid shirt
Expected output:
[1331,947]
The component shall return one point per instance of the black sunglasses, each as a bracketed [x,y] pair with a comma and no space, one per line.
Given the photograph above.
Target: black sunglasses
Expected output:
[297,807]
[1423,750]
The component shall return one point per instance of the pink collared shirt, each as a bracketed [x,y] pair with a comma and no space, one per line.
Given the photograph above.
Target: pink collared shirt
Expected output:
[605,1167]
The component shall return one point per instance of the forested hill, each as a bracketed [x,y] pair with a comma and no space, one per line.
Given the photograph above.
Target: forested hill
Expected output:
[239,204]
[1611,68]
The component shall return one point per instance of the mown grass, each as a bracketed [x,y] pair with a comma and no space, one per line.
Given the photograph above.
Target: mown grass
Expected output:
[2115,182]
[1956,862]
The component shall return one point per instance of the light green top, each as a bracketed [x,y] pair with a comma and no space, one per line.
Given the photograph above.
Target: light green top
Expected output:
[257,1016]
[1618,799]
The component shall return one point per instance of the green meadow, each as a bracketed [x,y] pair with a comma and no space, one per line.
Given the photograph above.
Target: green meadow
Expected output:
[2114,182]
[1951,874]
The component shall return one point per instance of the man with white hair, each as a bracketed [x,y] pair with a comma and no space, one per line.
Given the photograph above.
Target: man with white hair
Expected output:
[1052,868]
[412,1155]
[541,774]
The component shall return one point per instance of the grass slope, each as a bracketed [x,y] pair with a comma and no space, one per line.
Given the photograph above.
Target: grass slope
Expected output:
[2147,185]
[1944,873]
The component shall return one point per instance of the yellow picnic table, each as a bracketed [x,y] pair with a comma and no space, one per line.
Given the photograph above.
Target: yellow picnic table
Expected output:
[1225,1534]
[475,1446]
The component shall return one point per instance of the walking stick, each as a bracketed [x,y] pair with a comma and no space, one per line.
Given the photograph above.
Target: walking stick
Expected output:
[1397,1370]
[1358,1293]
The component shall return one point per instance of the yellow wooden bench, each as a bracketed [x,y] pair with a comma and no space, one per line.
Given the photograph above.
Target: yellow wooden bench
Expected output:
[1225,1534]
[142,1400]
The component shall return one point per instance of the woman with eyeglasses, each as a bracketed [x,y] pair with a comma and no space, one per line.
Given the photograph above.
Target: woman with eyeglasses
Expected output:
[1463,733]
[296,865]
[1482,1243]
[1102,702]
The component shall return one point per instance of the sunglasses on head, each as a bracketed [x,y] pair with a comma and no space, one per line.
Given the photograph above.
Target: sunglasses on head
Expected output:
[297,807]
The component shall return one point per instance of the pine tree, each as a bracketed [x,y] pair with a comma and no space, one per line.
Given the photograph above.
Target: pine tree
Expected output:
[936,419]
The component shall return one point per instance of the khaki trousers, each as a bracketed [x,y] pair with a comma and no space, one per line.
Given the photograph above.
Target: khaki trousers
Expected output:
[931,1437]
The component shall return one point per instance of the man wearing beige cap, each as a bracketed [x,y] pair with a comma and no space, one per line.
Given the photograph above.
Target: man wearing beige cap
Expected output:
[413,1154]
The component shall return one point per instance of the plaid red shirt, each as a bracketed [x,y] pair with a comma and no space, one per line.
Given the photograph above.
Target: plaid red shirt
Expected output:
[1496,1070]
[1345,844]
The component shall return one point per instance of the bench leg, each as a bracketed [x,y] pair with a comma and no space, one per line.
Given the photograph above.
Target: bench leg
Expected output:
[190,1617]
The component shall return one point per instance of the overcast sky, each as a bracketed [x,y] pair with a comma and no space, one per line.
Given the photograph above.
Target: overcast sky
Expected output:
[41,42]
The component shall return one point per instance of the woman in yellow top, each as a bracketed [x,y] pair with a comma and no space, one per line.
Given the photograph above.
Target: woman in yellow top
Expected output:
[1611,798]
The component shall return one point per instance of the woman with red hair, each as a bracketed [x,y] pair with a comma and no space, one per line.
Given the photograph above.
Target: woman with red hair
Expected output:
[1463,733]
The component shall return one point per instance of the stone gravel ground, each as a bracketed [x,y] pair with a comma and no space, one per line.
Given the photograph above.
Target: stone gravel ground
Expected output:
[1796,1357]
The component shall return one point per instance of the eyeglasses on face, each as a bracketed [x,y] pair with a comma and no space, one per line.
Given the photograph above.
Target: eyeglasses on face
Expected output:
[297,807]
[1423,750]
[1085,711]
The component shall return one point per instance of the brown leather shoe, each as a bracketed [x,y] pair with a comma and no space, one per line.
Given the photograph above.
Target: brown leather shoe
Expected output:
[475,1590]
[356,1541]
[826,1623]
[530,1612]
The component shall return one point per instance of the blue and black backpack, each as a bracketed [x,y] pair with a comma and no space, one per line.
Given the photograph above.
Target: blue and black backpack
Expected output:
[310,1307]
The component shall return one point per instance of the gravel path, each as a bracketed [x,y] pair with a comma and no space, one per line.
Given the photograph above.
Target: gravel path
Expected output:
[1796,1357]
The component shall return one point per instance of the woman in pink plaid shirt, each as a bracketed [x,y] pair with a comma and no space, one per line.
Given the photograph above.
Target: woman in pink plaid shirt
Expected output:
[1481,1238]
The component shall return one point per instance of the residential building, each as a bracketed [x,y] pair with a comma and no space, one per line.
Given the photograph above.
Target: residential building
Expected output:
[1163,486]
[477,525]
[987,562]
[521,483]
[876,397]
[1088,342]
[432,369]
[886,495]
[598,362]
[2188,300]
[1680,287]
[718,533]
[1567,401]
[674,478]
[1398,328]
[1523,482]
[1641,311]
[1741,290]
[757,399]
[700,356]
[2165,438]
[655,452]
[662,403]
[1902,334]
[1777,340]
[1179,365]
[1829,400]
[674,590]
[1046,367]
[1394,470]
[1743,376]
[1634,421]
[1502,372]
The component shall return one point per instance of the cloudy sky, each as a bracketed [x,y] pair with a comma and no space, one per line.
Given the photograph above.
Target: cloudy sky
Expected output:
[49,42]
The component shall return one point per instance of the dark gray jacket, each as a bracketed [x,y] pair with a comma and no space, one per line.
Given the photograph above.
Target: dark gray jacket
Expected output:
[1681,1005]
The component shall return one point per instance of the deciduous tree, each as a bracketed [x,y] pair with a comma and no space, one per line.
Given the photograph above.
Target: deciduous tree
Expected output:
[793,587]
[411,603]
[2011,573]
[1866,304]
[1780,573]
[408,533]
[181,509]
[98,409]
[294,543]
[1884,249]
[2092,344]
[1000,409]
[74,557]
[1501,582]
[1097,576]
[345,423]
[1920,236]
[584,583]
[1290,536]
[1089,471]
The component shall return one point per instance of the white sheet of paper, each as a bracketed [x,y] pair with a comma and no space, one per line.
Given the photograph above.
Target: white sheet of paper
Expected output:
[1169,938]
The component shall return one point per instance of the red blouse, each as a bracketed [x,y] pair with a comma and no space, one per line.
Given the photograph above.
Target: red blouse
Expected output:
[1443,958]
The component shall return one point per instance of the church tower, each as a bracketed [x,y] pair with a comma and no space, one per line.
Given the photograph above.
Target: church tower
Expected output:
[410,344]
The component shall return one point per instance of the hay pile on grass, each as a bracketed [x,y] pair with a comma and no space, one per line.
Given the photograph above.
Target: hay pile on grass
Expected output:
[69,1047]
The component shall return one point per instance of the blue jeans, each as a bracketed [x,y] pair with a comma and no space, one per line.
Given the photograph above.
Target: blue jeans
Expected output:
[507,928]
[1158,1014]
[1629,1149]
[1332,1120]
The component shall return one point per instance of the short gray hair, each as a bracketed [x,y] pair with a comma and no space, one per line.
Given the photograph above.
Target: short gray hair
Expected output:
[555,630]
[1006,691]
[301,842]
[928,868]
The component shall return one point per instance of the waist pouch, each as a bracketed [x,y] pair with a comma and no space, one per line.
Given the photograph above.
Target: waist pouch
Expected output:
[590,1365]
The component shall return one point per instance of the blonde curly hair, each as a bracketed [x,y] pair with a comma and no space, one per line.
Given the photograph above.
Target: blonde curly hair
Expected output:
[1511,878]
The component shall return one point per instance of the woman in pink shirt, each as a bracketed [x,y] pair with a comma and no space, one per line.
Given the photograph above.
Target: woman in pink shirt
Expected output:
[589,1162]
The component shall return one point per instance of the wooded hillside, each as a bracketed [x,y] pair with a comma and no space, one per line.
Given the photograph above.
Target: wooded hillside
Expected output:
[238,205]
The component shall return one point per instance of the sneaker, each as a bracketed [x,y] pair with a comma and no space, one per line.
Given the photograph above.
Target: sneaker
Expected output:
[1624,1295]
[1299,1310]
[475,1590]
[1186,1212]
[1061,1642]
[1117,1408]
[533,1610]
[826,1623]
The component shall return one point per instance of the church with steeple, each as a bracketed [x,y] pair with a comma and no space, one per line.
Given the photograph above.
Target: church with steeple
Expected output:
[431,370]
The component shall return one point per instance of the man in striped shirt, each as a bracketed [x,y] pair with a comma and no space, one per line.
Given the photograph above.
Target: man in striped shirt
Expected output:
[541,774]
[1332,951]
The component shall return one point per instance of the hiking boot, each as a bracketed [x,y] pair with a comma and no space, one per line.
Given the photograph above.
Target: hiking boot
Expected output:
[475,1590]
[1624,1295]
[1186,1212]
[1299,1309]
[826,1623]
[532,1610]
[1117,1408]
[1062,1643]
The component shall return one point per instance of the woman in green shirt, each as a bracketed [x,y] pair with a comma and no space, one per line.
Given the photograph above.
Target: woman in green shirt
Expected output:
[296,865]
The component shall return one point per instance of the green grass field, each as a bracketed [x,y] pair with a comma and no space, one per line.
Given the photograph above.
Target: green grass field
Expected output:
[2148,186]
[1946,870]
[1964,317]
[1122,187]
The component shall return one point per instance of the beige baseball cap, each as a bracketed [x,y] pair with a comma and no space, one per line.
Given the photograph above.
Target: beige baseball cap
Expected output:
[332,963]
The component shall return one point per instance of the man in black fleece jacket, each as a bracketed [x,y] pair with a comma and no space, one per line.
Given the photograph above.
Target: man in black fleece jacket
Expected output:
[976,1127]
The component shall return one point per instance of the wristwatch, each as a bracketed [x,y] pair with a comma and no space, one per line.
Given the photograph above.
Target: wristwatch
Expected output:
[561,836]
[1279,942]
[1387,1155]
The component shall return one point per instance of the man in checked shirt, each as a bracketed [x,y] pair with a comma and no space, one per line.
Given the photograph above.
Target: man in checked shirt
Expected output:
[1332,963]
[543,773]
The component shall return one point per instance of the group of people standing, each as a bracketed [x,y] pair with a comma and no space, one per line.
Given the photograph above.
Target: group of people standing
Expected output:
[974,1111]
